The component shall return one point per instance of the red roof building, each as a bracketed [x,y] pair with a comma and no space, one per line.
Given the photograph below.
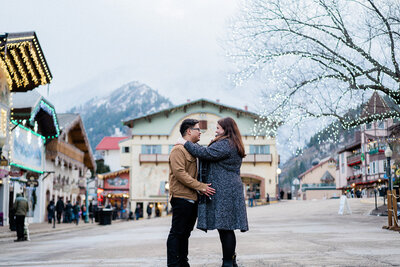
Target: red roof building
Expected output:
[110,143]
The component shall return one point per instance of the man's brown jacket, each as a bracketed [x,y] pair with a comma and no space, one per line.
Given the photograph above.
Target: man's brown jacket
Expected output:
[182,174]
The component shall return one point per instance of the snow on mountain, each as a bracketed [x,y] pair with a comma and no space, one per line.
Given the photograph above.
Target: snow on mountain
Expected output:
[103,116]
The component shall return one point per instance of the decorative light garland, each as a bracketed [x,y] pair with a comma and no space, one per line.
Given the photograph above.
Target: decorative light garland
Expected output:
[13,72]
[50,110]
[20,67]
[38,65]
[24,167]
[3,66]
[27,61]
[27,129]
[36,57]
[288,60]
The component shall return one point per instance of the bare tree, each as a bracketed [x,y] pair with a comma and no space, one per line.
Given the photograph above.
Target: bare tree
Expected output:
[320,57]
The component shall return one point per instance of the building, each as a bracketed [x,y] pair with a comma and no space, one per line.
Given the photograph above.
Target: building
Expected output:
[146,151]
[114,190]
[318,182]
[23,67]
[109,150]
[35,125]
[362,164]
[69,158]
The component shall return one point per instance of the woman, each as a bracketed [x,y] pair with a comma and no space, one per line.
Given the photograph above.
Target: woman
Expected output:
[220,166]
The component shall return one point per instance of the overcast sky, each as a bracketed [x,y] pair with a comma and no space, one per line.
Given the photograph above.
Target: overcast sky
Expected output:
[174,46]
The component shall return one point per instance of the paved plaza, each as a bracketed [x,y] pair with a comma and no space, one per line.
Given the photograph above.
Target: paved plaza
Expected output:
[290,233]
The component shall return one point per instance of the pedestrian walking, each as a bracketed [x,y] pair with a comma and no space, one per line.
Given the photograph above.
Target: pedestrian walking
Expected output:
[226,210]
[21,208]
[51,211]
[137,212]
[282,194]
[149,210]
[91,212]
[83,212]
[68,212]
[77,210]
[251,195]
[59,209]
[183,195]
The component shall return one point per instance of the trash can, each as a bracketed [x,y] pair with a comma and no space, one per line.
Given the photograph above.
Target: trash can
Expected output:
[105,216]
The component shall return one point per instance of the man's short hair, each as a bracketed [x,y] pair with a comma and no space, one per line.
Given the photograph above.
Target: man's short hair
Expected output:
[186,124]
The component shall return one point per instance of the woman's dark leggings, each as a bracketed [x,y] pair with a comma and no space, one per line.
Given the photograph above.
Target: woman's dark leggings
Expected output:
[228,241]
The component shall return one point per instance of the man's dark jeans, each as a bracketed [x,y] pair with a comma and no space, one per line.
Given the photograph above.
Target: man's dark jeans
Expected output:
[20,223]
[59,214]
[184,215]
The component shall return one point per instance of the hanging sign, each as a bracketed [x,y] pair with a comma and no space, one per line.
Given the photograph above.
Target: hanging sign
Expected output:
[27,149]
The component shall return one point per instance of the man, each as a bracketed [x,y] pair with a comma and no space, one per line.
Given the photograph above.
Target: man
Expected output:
[68,212]
[21,208]
[183,195]
[50,211]
[76,210]
[59,209]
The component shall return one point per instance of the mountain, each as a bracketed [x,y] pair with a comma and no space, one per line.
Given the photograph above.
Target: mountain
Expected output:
[103,116]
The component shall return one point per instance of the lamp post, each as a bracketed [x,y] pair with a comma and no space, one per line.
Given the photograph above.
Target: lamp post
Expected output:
[166,192]
[88,175]
[296,182]
[278,172]
[388,155]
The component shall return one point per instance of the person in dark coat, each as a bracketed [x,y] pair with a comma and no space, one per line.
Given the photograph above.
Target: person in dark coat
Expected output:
[51,211]
[149,211]
[59,209]
[68,212]
[226,210]
[91,212]
[21,208]
[137,212]
[77,210]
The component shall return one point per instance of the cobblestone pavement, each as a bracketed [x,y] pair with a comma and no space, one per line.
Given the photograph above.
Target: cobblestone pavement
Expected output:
[291,233]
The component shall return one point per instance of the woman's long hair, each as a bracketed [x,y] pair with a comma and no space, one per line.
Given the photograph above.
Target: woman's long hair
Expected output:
[231,131]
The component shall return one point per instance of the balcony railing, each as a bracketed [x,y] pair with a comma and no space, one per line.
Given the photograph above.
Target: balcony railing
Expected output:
[255,158]
[55,146]
[354,159]
[153,158]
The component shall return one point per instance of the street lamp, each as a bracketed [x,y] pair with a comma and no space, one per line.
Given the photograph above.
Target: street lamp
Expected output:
[388,155]
[296,182]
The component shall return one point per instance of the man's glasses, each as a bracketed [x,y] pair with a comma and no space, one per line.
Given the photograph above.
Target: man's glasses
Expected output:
[198,129]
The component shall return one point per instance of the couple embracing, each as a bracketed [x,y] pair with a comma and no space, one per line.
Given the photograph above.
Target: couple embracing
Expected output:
[211,190]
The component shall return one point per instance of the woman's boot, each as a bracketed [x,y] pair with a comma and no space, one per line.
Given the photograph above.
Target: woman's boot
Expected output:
[227,263]
[234,263]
